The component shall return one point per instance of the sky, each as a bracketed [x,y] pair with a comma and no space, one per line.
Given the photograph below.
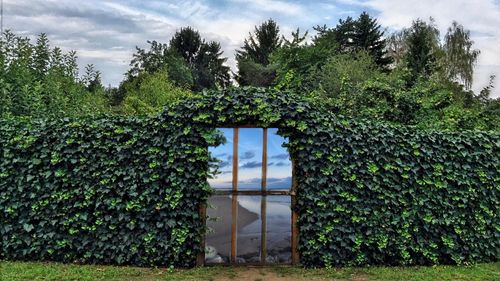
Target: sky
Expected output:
[105,32]
[250,144]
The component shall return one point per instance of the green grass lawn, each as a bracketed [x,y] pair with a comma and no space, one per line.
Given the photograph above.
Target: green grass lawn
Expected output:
[54,271]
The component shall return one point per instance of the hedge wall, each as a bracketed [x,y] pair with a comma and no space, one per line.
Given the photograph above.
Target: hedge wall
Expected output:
[370,193]
[375,194]
[127,191]
[106,190]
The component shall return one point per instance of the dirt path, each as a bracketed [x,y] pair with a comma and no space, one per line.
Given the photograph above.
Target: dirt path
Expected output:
[274,274]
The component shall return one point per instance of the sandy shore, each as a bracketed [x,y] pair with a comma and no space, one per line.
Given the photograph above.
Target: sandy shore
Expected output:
[249,229]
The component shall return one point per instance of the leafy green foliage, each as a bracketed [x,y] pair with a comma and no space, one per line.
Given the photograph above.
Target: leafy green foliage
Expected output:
[160,57]
[190,61]
[460,57]
[253,59]
[362,34]
[105,190]
[392,195]
[203,58]
[346,69]
[371,193]
[148,93]
[37,80]
[127,190]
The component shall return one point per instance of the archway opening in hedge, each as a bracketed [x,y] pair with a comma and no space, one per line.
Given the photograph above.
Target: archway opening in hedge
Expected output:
[249,215]
[200,116]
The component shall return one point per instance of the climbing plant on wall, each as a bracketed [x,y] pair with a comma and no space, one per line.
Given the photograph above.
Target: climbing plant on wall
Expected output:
[127,190]
[371,193]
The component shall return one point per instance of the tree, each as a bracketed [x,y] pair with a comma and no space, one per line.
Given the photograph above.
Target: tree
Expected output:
[338,38]
[38,81]
[423,46]
[253,60]
[160,57]
[190,61]
[153,93]
[203,58]
[41,56]
[346,69]
[350,36]
[210,71]
[92,79]
[397,47]
[369,37]
[297,63]
[187,43]
[460,57]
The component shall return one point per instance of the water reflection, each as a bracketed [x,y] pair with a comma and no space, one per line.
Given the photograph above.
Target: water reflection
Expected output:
[278,229]
[249,229]
[249,221]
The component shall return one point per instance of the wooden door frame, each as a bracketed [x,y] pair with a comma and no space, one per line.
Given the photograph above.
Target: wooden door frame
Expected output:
[200,261]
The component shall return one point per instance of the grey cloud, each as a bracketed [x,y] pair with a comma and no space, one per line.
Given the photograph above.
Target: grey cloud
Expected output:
[247,155]
[251,164]
[280,156]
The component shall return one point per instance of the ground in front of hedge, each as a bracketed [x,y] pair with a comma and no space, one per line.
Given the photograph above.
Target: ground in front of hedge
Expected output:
[55,271]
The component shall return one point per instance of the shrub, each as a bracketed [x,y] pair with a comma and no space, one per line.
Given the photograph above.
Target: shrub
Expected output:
[127,190]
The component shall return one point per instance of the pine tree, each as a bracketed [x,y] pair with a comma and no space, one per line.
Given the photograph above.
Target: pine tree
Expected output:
[260,45]
[368,36]
[423,45]
[187,43]
[253,60]
[205,59]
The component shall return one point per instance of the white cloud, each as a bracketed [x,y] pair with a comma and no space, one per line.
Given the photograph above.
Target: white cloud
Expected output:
[283,7]
[481,17]
[105,32]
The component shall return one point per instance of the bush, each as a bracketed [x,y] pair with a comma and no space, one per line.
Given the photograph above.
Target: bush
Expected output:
[106,190]
[127,190]
[375,194]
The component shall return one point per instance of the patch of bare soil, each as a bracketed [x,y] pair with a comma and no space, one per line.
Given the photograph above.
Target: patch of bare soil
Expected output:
[269,274]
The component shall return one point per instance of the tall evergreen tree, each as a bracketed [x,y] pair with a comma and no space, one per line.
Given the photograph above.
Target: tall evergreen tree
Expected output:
[204,59]
[253,60]
[187,43]
[339,38]
[210,69]
[368,36]
[260,45]
[351,36]
[423,45]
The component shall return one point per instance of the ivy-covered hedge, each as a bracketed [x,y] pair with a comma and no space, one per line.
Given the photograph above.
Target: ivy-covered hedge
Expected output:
[125,190]
[370,193]
[375,194]
[104,190]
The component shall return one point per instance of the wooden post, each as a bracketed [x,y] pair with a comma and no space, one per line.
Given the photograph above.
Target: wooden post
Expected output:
[295,228]
[263,200]
[200,260]
[234,209]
